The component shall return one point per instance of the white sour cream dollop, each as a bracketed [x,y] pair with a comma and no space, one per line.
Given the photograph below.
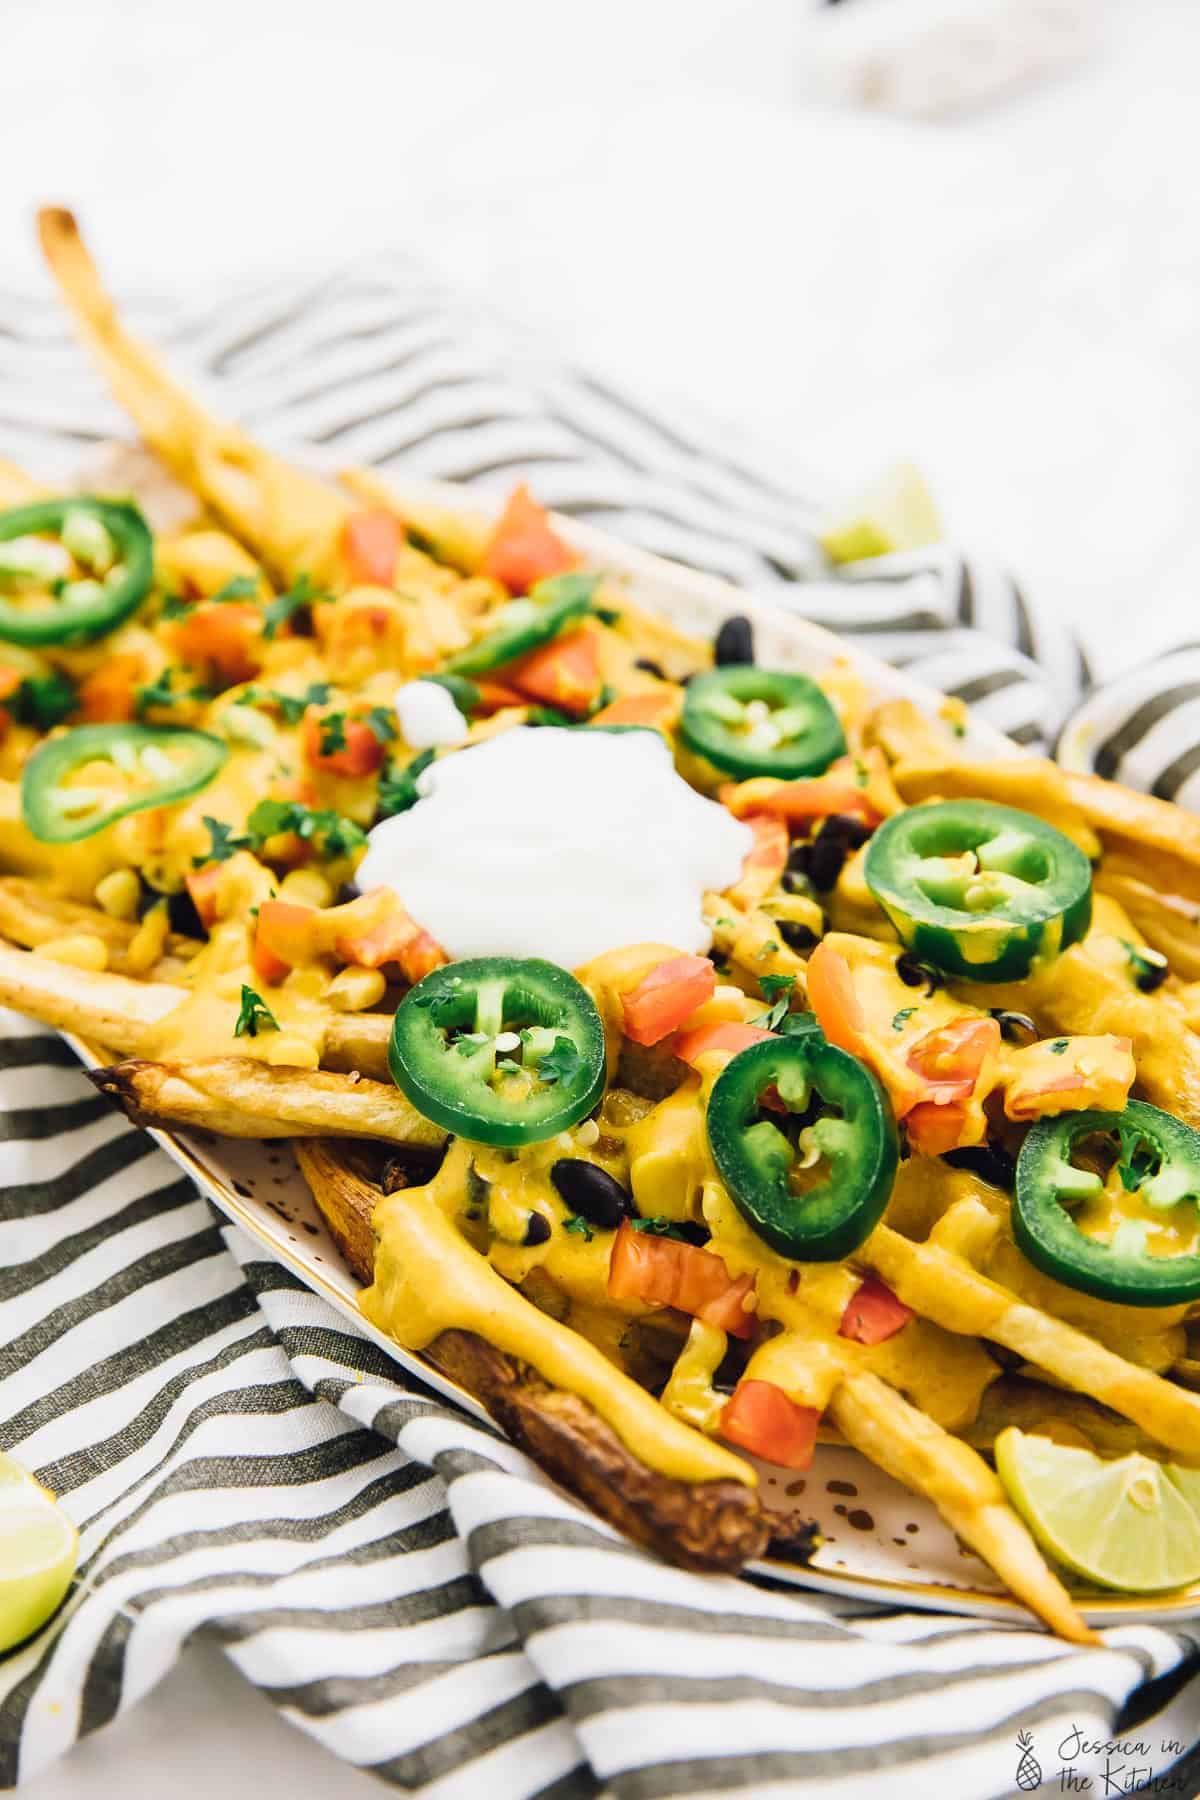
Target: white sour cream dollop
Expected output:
[428,716]
[559,844]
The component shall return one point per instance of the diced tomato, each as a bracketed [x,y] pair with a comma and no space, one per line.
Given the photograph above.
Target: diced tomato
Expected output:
[799,802]
[377,929]
[494,696]
[284,935]
[202,885]
[761,1418]
[10,681]
[360,755]
[664,1271]
[665,997]
[107,695]
[222,639]
[831,996]
[726,1035]
[765,861]
[565,673]
[372,541]
[524,548]
[874,1314]
[658,707]
[951,1058]
[934,1128]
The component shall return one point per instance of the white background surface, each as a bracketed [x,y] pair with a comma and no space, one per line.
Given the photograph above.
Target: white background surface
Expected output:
[1012,299]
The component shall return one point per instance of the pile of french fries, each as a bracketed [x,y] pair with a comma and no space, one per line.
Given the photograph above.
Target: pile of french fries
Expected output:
[1088,1378]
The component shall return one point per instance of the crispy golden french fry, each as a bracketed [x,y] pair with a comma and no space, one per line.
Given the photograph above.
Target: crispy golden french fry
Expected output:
[1166,921]
[893,1434]
[123,1014]
[945,1288]
[105,1009]
[236,1097]
[289,518]
[30,915]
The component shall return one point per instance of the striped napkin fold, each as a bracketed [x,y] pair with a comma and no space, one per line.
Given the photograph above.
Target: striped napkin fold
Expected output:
[399,1580]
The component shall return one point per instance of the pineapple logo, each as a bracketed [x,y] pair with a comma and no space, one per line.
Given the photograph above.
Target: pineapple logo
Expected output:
[1029,1769]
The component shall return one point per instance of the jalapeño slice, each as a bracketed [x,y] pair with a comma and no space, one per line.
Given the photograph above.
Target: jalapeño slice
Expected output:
[750,721]
[526,624]
[134,767]
[980,891]
[499,1049]
[1158,1169]
[74,568]
[804,1140]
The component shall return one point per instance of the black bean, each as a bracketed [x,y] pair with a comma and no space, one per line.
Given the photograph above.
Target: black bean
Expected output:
[990,1163]
[1015,1027]
[182,915]
[846,828]
[826,860]
[411,1167]
[650,667]
[795,935]
[734,643]
[537,1231]
[692,1232]
[914,973]
[591,1192]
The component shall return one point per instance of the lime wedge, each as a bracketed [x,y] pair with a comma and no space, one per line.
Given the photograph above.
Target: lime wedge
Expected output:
[1122,1524]
[896,513]
[38,1550]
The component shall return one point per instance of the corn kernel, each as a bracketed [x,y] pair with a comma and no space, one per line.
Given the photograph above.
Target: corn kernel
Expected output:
[353,989]
[80,950]
[287,1049]
[307,887]
[149,940]
[118,894]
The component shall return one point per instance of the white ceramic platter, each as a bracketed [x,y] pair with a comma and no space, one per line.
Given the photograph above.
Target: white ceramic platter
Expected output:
[880,1542]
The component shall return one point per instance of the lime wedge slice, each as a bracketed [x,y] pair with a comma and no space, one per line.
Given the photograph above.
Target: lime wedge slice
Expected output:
[1122,1524]
[896,513]
[38,1549]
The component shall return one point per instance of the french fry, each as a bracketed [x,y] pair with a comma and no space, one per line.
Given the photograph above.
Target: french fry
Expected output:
[945,1288]
[909,1446]
[286,516]
[30,915]
[122,1014]
[236,1097]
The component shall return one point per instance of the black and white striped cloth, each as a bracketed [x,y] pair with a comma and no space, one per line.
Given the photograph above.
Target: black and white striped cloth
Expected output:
[240,1463]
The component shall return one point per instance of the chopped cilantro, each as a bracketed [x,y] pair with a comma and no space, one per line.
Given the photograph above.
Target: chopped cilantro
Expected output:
[799,1024]
[332,834]
[222,843]
[777,990]
[44,700]
[255,1015]
[660,1227]
[398,791]
[292,707]
[899,1019]
[547,715]
[161,693]
[381,722]
[1137,1159]
[1058,1046]
[606,615]
[579,1226]
[280,610]
[862,775]
[241,587]
[561,1062]
[333,733]
[507,1066]
[175,605]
